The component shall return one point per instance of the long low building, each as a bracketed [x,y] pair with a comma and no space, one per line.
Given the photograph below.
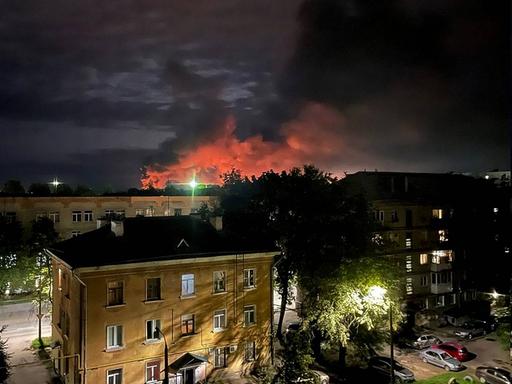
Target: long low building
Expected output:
[75,215]
[124,292]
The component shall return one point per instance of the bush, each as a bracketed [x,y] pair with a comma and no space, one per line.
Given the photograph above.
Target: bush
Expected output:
[4,359]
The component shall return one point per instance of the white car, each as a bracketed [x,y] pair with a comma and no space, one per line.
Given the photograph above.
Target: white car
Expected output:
[425,341]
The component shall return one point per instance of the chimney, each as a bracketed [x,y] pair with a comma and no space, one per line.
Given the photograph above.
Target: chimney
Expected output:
[117,227]
[216,222]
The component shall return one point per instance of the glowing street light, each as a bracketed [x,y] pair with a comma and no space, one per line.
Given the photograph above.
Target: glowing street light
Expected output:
[55,182]
[193,183]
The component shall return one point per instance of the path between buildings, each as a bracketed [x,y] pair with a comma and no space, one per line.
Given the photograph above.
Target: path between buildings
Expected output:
[21,329]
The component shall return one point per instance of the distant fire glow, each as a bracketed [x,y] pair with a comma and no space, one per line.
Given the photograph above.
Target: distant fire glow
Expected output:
[312,138]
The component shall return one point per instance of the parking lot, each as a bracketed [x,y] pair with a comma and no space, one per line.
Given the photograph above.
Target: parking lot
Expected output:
[486,351]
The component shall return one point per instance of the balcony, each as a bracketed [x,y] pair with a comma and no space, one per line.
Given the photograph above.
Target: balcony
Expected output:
[441,288]
[443,266]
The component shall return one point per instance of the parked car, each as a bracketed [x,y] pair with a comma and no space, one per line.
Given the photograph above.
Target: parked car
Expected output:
[425,341]
[490,324]
[441,359]
[320,376]
[493,375]
[382,366]
[454,349]
[471,329]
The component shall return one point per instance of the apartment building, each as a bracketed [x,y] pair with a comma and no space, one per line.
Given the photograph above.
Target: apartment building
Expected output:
[440,228]
[125,291]
[75,215]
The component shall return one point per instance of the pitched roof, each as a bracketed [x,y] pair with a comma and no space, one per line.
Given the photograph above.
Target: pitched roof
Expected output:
[151,239]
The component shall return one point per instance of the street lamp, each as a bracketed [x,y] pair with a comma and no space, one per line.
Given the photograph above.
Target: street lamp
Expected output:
[166,358]
[376,295]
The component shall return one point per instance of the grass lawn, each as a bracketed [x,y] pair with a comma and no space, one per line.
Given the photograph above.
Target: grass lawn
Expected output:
[445,377]
[46,342]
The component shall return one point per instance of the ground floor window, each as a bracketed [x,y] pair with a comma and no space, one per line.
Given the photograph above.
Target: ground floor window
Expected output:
[152,372]
[219,357]
[440,301]
[249,351]
[115,376]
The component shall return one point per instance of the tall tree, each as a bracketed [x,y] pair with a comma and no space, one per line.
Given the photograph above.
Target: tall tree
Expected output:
[39,189]
[307,214]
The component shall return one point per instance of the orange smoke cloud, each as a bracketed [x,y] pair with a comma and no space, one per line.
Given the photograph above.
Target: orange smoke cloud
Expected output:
[313,137]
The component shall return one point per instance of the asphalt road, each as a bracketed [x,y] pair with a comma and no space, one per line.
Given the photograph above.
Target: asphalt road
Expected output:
[21,328]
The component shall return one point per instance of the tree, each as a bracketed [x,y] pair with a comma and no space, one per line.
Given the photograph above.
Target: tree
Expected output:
[63,190]
[39,189]
[354,306]
[13,187]
[83,190]
[308,215]
[11,245]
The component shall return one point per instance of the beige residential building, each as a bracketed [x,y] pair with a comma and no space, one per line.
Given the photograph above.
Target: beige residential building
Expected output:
[124,291]
[75,215]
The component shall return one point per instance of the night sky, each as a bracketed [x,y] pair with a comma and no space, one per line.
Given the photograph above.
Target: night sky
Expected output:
[96,92]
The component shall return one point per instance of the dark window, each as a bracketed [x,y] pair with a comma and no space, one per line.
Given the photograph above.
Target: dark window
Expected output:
[115,293]
[408,218]
[153,289]
[187,325]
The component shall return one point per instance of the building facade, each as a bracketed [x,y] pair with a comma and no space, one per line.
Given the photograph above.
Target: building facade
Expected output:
[113,314]
[75,215]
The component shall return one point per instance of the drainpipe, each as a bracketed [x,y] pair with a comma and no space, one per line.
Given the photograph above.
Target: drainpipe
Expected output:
[83,326]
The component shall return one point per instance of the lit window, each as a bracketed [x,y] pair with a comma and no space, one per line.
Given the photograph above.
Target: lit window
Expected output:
[75,233]
[249,278]
[495,210]
[423,258]
[152,333]
[76,216]
[408,263]
[249,315]
[114,336]
[249,351]
[436,259]
[219,360]
[187,325]
[59,279]
[219,281]
[408,240]
[150,211]
[55,217]
[437,213]
[87,215]
[443,236]
[187,284]
[408,286]
[219,320]
[153,289]
[139,212]
[153,372]
[115,293]
[115,376]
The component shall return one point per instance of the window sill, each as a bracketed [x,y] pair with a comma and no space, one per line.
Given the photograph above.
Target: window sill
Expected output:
[182,297]
[153,301]
[252,287]
[188,335]
[218,330]
[249,325]
[152,341]
[113,306]
[113,349]
[219,293]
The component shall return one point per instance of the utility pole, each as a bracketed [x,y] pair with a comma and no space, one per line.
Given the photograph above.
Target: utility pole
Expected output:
[166,358]
[391,344]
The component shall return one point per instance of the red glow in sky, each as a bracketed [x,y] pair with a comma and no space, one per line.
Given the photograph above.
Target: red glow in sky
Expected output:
[312,138]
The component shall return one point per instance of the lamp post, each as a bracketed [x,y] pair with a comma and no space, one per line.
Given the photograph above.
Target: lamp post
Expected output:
[166,358]
[376,295]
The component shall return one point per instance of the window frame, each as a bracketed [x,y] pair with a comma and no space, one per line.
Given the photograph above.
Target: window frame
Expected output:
[249,346]
[221,316]
[117,372]
[223,280]
[248,278]
[88,216]
[155,323]
[186,293]
[219,356]
[154,298]
[248,311]
[119,344]
[185,320]
[154,372]
[76,216]
[112,304]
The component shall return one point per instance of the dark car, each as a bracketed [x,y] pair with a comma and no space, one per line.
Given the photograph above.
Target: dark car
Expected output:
[382,366]
[490,324]
[493,375]
[454,349]
[471,329]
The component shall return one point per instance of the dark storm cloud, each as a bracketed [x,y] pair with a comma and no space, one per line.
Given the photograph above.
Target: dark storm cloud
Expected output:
[421,84]
[417,83]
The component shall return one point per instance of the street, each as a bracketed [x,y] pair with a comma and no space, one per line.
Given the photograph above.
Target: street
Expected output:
[21,328]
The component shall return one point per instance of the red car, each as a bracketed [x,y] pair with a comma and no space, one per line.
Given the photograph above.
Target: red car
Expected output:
[454,349]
